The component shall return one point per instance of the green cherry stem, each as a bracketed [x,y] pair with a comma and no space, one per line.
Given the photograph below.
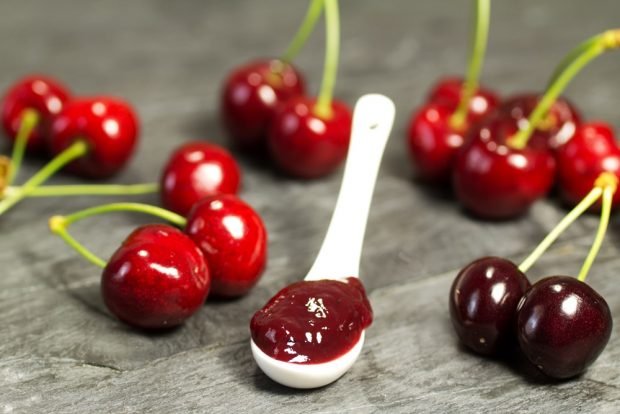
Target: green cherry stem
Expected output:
[479,44]
[304,31]
[59,225]
[87,189]
[76,150]
[604,181]
[29,121]
[570,66]
[323,106]
[608,194]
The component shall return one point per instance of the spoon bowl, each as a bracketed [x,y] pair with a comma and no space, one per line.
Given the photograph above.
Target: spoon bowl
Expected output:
[339,256]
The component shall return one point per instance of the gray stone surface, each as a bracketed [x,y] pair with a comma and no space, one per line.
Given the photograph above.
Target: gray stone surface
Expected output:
[61,352]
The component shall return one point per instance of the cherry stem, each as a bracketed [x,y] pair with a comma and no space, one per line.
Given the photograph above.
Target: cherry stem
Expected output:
[59,224]
[76,150]
[570,66]
[479,44]
[604,181]
[89,189]
[304,31]
[323,106]
[29,121]
[608,194]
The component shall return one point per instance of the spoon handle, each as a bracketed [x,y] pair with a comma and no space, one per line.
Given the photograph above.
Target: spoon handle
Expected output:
[340,253]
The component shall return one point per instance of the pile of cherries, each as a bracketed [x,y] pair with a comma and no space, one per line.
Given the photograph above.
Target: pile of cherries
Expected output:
[265,108]
[500,156]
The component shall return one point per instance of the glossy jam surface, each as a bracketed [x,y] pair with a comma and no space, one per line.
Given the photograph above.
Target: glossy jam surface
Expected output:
[312,322]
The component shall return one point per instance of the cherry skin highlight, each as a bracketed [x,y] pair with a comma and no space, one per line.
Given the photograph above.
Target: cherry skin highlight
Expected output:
[590,152]
[556,128]
[448,92]
[196,170]
[157,278]
[483,304]
[495,181]
[312,322]
[45,95]
[233,239]
[108,125]
[250,95]
[432,141]
[562,325]
[305,145]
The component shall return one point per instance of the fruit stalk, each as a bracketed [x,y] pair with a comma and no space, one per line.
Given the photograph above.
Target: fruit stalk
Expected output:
[608,194]
[59,225]
[76,150]
[323,107]
[87,189]
[604,181]
[570,66]
[479,43]
[30,119]
[307,26]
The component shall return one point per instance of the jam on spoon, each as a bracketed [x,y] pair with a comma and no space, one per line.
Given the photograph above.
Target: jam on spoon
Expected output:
[310,333]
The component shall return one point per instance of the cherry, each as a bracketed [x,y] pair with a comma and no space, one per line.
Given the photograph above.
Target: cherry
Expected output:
[448,91]
[196,170]
[157,278]
[306,145]
[562,325]
[108,125]
[496,181]
[558,126]
[233,238]
[45,95]
[433,140]
[591,151]
[483,303]
[250,95]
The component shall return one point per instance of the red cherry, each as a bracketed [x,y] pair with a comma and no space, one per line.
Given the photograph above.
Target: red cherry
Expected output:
[591,151]
[45,95]
[433,142]
[563,325]
[558,127]
[483,303]
[495,181]
[196,170]
[233,238]
[108,125]
[448,92]
[250,96]
[306,145]
[157,278]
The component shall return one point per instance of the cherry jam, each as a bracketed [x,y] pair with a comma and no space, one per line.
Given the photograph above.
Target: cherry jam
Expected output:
[312,322]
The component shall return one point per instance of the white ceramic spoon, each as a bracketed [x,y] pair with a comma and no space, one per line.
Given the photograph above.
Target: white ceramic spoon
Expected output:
[340,253]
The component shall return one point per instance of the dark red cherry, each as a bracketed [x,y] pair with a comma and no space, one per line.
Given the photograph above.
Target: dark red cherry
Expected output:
[563,325]
[448,92]
[233,238]
[250,95]
[157,278]
[108,125]
[495,181]
[45,95]
[483,303]
[433,142]
[557,127]
[591,151]
[196,170]
[305,145]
